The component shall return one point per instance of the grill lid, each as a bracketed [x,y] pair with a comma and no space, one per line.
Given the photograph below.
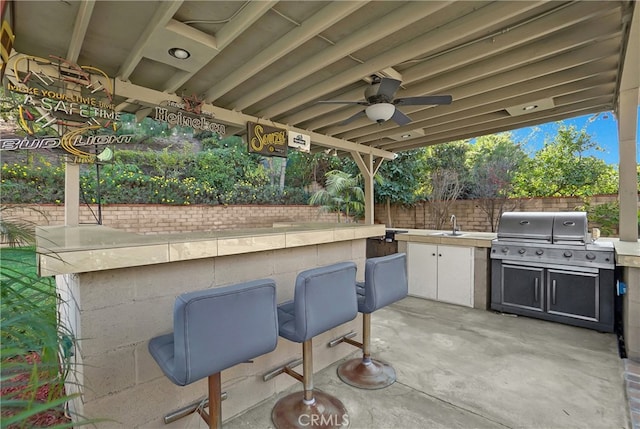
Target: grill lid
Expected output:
[570,228]
[544,227]
[530,226]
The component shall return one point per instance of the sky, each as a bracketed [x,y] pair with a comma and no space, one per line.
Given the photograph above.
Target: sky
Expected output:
[603,129]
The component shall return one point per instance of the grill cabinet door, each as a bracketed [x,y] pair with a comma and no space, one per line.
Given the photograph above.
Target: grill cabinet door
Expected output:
[573,294]
[522,287]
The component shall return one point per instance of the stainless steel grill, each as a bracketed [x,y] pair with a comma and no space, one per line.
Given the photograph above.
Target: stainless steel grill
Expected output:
[545,265]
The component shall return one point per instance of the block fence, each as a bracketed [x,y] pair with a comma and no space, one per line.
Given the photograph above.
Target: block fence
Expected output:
[471,217]
[159,218]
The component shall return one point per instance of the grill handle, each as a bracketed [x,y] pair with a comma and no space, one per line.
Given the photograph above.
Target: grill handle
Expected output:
[536,288]
[553,292]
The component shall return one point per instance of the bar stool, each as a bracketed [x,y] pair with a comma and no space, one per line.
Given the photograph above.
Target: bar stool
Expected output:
[385,282]
[324,298]
[213,330]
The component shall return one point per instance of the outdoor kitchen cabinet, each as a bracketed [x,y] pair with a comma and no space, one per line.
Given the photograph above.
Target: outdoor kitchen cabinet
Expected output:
[441,273]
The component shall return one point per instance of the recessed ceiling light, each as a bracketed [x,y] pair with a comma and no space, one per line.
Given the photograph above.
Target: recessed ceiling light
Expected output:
[532,106]
[179,53]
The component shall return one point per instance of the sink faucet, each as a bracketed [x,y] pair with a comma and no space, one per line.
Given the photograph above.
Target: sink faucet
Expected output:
[455,225]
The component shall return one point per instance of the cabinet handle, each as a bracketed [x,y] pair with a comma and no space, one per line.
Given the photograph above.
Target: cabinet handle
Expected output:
[553,292]
[536,287]
[433,254]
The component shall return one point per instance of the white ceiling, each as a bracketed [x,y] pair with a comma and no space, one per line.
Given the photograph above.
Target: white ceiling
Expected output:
[275,60]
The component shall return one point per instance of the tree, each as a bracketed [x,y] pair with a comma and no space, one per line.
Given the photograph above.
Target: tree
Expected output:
[343,194]
[401,180]
[446,187]
[493,161]
[562,168]
[447,175]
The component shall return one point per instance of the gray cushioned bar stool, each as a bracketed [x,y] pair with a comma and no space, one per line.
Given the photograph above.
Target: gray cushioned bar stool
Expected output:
[385,282]
[213,330]
[324,298]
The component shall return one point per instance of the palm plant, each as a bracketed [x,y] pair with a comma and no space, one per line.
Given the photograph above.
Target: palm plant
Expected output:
[343,194]
[34,361]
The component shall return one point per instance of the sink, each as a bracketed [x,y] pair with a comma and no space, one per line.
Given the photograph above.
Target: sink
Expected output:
[449,234]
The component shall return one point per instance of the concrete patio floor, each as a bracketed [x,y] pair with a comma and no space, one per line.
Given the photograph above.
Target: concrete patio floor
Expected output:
[465,368]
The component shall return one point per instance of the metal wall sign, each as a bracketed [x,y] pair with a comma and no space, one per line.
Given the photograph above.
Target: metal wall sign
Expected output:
[266,140]
[302,142]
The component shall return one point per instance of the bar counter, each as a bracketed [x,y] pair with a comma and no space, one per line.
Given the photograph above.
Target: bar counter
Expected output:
[118,288]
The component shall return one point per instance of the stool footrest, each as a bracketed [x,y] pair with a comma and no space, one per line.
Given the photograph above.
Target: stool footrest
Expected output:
[286,368]
[189,409]
[346,338]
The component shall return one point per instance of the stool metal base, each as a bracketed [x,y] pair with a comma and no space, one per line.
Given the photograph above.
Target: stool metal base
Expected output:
[376,374]
[326,411]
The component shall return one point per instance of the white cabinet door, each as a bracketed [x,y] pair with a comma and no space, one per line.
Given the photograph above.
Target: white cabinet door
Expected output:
[422,272]
[455,275]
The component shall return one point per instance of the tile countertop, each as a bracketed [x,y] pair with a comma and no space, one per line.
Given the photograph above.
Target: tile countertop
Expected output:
[466,238]
[65,250]
[627,253]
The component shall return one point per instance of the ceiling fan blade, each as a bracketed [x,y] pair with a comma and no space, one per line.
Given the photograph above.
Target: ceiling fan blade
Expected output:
[426,100]
[388,87]
[353,117]
[400,118]
[362,103]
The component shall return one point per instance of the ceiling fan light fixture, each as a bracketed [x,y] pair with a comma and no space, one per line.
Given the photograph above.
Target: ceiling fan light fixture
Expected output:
[179,53]
[380,112]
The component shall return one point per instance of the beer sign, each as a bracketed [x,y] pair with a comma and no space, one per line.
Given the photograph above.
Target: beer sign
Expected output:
[302,142]
[266,140]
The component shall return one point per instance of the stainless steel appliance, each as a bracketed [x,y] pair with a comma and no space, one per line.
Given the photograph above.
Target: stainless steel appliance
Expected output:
[545,265]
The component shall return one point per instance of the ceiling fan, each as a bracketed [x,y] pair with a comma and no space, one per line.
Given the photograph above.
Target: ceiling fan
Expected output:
[381,106]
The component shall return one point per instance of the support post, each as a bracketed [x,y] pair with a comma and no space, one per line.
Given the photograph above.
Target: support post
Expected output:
[368,168]
[627,113]
[628,189]
[71,194]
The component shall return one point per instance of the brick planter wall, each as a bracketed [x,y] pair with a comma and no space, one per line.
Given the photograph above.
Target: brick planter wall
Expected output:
[159,218]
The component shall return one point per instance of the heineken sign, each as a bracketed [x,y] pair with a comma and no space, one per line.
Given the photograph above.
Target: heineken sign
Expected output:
[266,140]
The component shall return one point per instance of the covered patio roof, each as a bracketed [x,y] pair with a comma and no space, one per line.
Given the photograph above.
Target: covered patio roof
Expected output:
[505,64]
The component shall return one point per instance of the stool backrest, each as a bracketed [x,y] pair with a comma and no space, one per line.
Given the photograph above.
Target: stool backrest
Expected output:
[325,297]
[218,328]
[385,281]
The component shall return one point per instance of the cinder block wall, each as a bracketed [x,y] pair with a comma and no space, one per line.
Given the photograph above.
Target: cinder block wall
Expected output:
[470,215]
[114,313]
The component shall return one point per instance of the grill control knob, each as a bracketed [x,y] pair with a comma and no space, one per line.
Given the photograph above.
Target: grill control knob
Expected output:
[591,256]
[521,251]
[568,254]
[539,252]
[505,249]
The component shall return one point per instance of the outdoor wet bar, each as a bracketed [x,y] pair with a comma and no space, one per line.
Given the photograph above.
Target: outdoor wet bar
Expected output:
[118,291]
